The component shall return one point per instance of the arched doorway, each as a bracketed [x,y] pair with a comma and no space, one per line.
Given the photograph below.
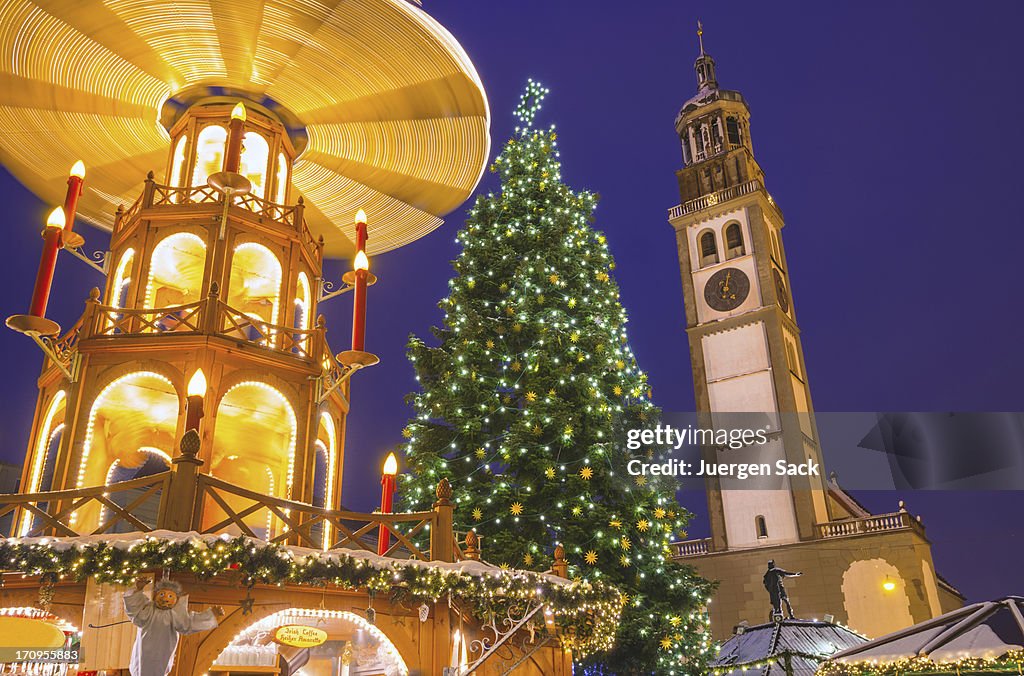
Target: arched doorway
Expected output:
[254,286]
[253,447]
[875,597]
[353,646]
[138,410]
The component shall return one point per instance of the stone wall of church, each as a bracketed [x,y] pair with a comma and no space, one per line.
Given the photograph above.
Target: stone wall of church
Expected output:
[844,577]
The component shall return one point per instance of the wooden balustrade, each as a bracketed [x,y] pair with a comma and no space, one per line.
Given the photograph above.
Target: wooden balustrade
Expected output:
[190,500]
[51,512]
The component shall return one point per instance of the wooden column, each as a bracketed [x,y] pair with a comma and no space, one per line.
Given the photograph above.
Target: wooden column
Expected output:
[178,508]
[442,540]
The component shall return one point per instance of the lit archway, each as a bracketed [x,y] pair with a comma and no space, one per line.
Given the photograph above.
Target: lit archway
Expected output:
[255,161]
[302,306]
[255,434]
[176,271]
[210,146]
[44,454]
[145,462]
[875,597]
[325,470]
[138,410]
[254,286]
[353,646]
[178,162]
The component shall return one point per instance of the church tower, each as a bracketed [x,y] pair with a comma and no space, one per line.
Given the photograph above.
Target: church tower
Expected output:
[873,572]
[744,339]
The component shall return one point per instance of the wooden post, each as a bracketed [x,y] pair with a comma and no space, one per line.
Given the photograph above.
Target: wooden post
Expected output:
[178,508]
[442,540]
[211,313]
[560,567]
[148,190]
[472,552]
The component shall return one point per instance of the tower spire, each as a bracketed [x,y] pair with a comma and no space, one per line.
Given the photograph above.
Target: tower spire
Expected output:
[705,65]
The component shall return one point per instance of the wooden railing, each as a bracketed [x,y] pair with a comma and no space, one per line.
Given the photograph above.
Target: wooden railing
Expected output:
[53,512]
[225,507]
[111,321]
[191,501]
[244,326]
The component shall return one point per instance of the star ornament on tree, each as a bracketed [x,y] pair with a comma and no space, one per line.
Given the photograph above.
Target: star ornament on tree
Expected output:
[530,102]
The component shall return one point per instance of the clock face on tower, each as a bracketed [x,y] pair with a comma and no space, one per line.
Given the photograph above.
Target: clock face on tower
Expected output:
[726,289]
[780,290]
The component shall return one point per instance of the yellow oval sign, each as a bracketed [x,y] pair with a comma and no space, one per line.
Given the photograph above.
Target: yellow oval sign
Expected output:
[26,632]
[300,636]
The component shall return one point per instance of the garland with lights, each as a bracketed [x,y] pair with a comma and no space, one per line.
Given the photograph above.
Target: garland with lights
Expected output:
[586,613]
[1012,661]
[525,401]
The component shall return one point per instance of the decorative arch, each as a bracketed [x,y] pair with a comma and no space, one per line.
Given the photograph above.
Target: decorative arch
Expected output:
[135,410]
[254,286]
[122,280]
[707,247]
[303,306]
[178,162]
[255,161]
[177,268]
[281,179]
[341,626]
[327,445]
[256,431]
[149,460]
[210,145]
[872,609]
[44,455]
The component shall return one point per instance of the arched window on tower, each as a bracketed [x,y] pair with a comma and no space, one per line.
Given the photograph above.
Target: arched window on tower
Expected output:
[254,162]
[209,153]
[762,527]
[178,163]
[732,130]
[733,241]
[708,248]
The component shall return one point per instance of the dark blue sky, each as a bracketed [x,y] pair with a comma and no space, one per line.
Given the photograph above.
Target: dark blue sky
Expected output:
[890,135]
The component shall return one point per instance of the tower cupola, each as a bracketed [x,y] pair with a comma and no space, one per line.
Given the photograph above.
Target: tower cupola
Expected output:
[704,66]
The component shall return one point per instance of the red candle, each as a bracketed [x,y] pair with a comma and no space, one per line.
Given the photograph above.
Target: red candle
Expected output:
[52,243]
[387,498]
[236,129]
[75,181]
[362,267]
[194,406]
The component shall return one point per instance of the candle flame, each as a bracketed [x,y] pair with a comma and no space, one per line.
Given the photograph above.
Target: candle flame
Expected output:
[361,262]
[360,216]
[238,112]
[197,384]
[391,465]
[78,169]
[56,219]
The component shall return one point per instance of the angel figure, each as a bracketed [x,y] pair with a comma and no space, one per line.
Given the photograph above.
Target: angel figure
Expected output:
[161,621]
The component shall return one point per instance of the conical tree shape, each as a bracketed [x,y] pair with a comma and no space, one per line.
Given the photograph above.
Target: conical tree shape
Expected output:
[526,399]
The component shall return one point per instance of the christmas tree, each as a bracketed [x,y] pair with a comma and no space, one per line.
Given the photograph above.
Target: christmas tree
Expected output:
[526,399]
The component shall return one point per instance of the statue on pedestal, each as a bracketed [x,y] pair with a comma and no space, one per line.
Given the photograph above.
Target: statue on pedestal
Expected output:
[777,591]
